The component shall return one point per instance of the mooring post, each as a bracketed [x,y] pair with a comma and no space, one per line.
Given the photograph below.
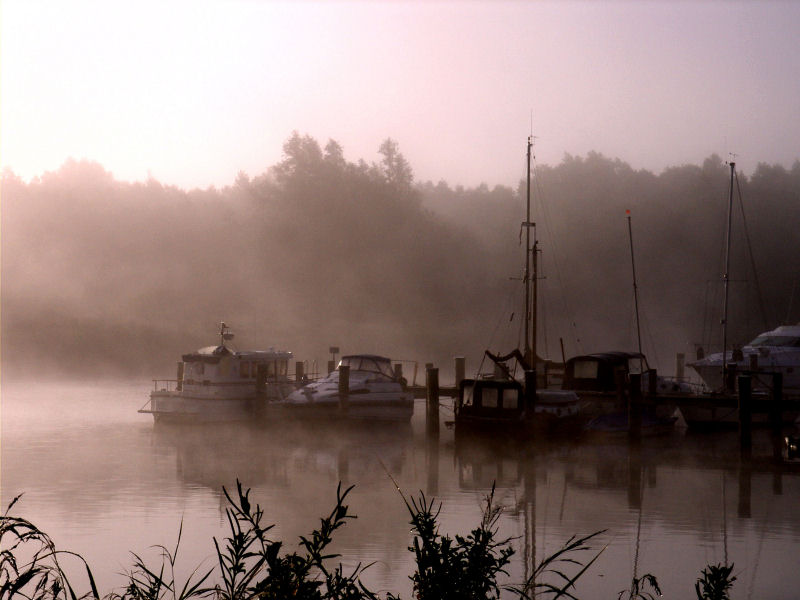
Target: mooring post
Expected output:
[635,408]
[745,414]
[261,378]
[460,369]
[432,393]
[776,416]
[730,381]
[652,382]
[530,394]
[622,389]
[344,387]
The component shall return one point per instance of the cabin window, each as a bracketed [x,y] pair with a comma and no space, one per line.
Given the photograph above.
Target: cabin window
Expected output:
[510,398]
[489,398]
[636,365]
[468,395]
[585,369]
[244,369]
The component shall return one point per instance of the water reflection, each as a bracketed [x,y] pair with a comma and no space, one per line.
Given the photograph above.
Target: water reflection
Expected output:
[110,482]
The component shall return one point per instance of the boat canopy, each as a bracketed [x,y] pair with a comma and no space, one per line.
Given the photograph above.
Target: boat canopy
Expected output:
[368,362]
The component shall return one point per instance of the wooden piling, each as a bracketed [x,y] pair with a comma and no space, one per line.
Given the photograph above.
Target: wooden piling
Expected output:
[776,417]
[261,378]
[179,385]
[635,408]
[745,414]
[432,393]
[344,387]
[460,370]
[530,393]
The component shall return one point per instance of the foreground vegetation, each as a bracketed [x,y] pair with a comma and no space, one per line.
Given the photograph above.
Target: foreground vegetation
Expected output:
[251,565]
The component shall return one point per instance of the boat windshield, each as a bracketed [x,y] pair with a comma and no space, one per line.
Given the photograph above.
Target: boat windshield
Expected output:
[369,364]
[787,341]
[637,365]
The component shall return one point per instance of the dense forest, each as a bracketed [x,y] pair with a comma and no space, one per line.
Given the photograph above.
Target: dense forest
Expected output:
[107,278]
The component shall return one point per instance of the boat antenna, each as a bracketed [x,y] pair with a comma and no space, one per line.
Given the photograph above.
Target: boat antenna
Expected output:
[635,289]
[224,333]
[726,280]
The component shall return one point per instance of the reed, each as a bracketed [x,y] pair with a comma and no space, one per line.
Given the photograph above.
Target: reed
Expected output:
[251,565]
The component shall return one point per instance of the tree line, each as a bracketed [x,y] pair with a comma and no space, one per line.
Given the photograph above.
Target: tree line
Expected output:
[105,277]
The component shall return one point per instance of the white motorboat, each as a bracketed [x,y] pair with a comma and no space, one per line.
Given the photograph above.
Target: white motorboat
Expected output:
[776,351]
[374,393]
[218,383]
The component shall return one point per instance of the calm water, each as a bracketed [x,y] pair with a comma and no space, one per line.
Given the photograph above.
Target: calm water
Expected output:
[104,482]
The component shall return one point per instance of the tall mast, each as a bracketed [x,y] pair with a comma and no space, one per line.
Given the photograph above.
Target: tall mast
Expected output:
[530,305]
[726,280]
[635,289]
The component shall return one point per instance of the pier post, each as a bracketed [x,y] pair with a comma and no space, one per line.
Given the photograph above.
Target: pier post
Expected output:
[344,387]
[635,408]
[776,416]
[745,415]
[530,394]
[261,378]
[460,370]
[299,372]
[432,395]
[179,385]
[730,379]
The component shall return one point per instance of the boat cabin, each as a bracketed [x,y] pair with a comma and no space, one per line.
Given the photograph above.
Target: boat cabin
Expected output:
[214,364]
[600,372]
[489,401]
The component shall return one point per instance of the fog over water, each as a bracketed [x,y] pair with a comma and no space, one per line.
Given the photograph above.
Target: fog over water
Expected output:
[103,278]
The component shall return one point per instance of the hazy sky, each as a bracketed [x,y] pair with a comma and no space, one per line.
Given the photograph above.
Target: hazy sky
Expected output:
[193,92]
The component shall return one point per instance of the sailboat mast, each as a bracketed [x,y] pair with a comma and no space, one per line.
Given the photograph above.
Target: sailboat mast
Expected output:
[726,280]
[527,278]
[635,288]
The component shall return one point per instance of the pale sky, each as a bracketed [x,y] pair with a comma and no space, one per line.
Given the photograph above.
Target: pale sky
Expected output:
[193,92]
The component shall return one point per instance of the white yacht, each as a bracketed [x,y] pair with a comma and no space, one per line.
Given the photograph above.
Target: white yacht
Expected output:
[218,383]
[374,393]
[776,351]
